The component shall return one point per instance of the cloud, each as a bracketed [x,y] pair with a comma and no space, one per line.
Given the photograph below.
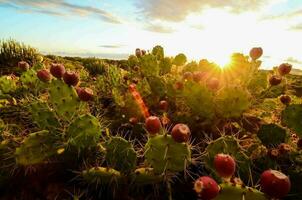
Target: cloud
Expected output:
[158,28]
[114,46]
[59,8]
[287,15]
[177,10]
[293,60]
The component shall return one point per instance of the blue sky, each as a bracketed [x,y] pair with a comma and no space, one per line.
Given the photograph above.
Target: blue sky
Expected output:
[210,29]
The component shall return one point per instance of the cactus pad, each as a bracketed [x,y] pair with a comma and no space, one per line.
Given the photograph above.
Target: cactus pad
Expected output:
[120,154]
[101,175]
[84,132]
[164,154]
[7,84]
[271,134]
[146,176]
[292,118]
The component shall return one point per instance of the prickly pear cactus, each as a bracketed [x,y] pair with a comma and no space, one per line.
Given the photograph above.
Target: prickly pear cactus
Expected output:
[239,192]
[29,78]
[199,99]
[101,175]
[84,132]
[146,176]
[164,154]
[36,148]
[227,145]
[43,116]
[64,99]
[292,118]
[120,154]
[272,134]
[149,65]
[7,84]
[232,101]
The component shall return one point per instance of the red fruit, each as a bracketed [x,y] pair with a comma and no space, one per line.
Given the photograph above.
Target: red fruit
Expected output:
[163,105]
[256,53]
[57,70]
[143,52]
[213,83]
[275,80]
[198,76]
[85,94]
[284,69]
[133,120]
[224,165]
[44,75]
[71,78]
[187,76]
[206,187]
[153,125]
[23,65]
[285,99]
[275,183]
[179,85]
[138,52]
[181,133]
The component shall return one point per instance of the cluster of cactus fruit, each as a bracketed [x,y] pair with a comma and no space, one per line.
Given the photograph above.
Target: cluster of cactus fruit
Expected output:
[156,123]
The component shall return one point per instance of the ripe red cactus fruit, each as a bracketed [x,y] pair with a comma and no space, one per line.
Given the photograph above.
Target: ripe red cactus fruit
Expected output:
[275,184]
[285,99]
[23,65]
[138,52]
[198,76]
[153,125]
[85,94]
[71,78]
[143,52]
[57,70]
[284,69]
[206,188]
[213,83]
[133,120]
[275,80]
[163,105]
[187,76]
[178,85]
[256,53]
[181,133]
[225,165]
[44,75]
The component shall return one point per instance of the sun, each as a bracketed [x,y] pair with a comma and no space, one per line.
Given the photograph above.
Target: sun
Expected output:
[221,60]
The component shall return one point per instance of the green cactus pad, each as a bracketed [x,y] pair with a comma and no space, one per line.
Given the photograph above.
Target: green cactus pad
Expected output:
[7,84]
[84,132]
[292,118]
[149,65]
[64,99]
[146,176]
[232,102]
[271,134]
[227,145]
[43,116]
[36,148]
[199,99]
[101,175]
[238,192]
[29,78]
[120,154]
[164,154]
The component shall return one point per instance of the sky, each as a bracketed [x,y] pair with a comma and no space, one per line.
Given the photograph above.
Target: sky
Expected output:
[211,29]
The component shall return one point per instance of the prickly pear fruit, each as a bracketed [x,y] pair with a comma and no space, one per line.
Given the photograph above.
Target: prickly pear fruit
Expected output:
[153,125]
[285,99]
[274,183]
[44,75]
[23,65]
[187,76]
[71,78]
[198,76]
[224,165]
[284,69]
[275,80]
[206,187]
[179,85]
[85,94]
[138,52]
[57,70]
[181,133]
[163,105]
[256,53]
[143,52]
[213,83]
